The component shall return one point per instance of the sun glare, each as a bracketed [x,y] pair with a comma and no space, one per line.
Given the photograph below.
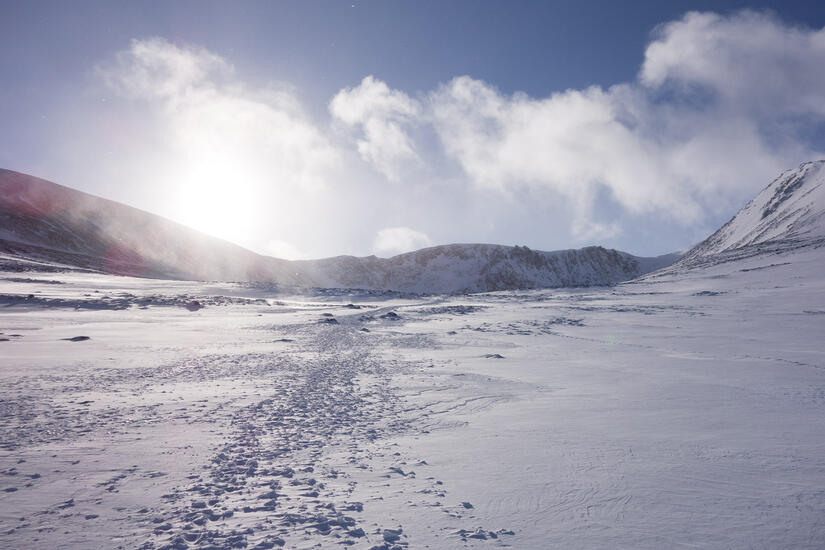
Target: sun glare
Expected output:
[215,196]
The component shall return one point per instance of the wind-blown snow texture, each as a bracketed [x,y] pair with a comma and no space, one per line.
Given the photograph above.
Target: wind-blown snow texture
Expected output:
[682,410]
[44,223]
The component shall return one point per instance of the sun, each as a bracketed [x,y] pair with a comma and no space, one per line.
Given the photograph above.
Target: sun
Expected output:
[217,196]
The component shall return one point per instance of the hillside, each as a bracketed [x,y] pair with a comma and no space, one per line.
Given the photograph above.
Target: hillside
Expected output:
[45,226]
[787,214]
[480,268]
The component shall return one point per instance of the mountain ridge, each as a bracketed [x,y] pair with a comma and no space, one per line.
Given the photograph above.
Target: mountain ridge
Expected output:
[787,214]
[46,224]
[477,267]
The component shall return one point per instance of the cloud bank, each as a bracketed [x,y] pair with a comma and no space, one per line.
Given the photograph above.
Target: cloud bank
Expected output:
[710,116]
[721,105]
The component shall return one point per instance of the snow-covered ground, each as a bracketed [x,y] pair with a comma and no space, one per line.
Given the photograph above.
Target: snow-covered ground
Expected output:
[683,411]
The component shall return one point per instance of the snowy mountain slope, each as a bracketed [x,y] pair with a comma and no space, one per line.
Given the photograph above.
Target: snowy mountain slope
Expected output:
[481,268]
[45,223]
[787,214]
[41,221]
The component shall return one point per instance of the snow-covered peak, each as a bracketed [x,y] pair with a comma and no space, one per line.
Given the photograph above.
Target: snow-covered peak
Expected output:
[789,210]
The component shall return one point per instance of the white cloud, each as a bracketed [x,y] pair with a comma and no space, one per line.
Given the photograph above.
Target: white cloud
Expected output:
[241,155]
[156,68]
[397,240]
[570,142]
[709,121]
[284,250]
[588,230]
[721,105]
[712,137]
[650,158]
[381,115]
[753,61]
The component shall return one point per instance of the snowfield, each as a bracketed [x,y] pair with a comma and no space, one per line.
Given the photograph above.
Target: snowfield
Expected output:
[683,410]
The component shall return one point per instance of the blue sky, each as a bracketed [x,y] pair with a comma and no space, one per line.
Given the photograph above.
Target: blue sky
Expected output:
[308,129]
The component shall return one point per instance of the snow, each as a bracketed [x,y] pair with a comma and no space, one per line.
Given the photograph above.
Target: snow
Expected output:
[685,408]
[791,208]
[681,410]
[462,268]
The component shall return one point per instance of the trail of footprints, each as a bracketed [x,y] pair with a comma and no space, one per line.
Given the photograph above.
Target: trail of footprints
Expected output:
[276,483]
[289,474]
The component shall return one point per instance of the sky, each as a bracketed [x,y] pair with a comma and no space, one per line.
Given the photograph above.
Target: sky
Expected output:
[314,129]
